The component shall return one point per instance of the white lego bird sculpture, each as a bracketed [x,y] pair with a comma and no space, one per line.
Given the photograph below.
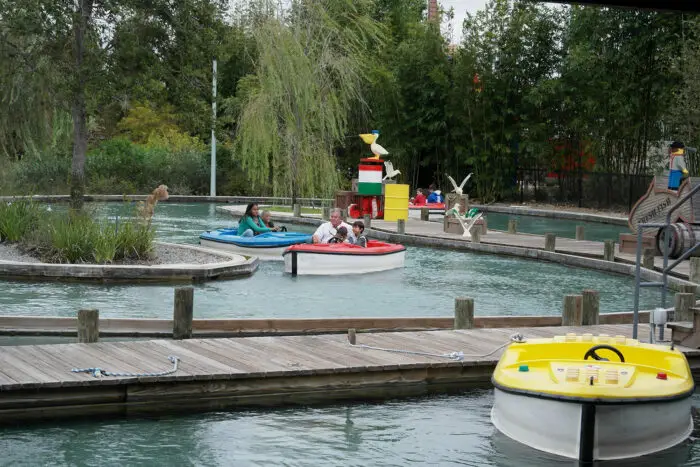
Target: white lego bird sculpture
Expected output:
[466,223]
[390,171]
[458,189]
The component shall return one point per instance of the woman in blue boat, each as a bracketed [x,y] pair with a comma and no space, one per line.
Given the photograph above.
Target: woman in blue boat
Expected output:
[251,223]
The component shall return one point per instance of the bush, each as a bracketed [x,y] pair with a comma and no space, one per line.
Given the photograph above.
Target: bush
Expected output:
[69,237]
[17,219]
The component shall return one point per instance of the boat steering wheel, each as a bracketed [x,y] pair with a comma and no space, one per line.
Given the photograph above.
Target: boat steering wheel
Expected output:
[592,352]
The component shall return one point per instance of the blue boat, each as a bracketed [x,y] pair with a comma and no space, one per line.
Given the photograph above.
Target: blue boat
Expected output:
[266,246]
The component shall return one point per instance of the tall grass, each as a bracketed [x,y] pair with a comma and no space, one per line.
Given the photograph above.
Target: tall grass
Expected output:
[68,237]
[17,219]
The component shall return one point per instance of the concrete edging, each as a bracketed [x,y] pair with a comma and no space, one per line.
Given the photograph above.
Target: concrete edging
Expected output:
[231,266]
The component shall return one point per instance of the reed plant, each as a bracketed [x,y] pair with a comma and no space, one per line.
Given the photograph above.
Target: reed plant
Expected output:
[17,219]
[76,237]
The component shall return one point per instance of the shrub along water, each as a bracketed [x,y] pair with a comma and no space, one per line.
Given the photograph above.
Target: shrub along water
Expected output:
[69,237]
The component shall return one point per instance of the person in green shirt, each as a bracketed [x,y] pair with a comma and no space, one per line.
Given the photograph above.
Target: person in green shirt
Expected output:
[251,223]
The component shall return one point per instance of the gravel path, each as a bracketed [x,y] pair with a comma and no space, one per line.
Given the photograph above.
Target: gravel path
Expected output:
[163,255]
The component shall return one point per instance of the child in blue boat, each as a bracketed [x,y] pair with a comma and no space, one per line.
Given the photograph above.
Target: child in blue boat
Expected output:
[251,223]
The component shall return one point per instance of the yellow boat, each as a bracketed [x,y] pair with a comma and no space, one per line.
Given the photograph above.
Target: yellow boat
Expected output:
[593,397]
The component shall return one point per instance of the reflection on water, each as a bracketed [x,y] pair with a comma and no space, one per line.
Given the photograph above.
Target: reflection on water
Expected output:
[427,285]
[437,430]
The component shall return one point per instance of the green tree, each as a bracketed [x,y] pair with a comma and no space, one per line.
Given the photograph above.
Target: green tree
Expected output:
[294,109]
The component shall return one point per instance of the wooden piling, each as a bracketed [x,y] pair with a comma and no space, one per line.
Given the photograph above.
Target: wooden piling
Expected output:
[694,270]
[183,312]
[484,226]
[512,226]
[682,305]
[648,258]
[424,214]
[326,213]
[367,219]
[609,250]
[688,288]
[296,210]
[579,232]
[572,313]
[590,308]
[550,241]
[352,336]
[88,326]
[464,313]
[476,234]
[401,226]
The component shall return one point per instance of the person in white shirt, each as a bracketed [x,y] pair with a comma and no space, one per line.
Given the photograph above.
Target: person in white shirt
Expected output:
[327,230]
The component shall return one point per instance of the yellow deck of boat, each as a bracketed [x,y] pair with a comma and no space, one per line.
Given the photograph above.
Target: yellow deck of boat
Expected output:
[556,367]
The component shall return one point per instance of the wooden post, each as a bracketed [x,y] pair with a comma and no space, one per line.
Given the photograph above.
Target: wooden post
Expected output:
[352,336]
[464,313]
[688,288]
[484,226]
[182,313]
[579,232]
[549,241]
[476,234]
[590,308]
[694,270]
[88,326]
[609,250]
[682,305]
[401,226]
[424,214]
[648,258]
[571,313]
[296,210]
[326,213]
[512,226]
[367,219]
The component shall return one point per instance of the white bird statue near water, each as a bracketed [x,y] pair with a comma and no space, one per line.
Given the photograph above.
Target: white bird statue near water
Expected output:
[390,171]
[371,139]
[467,223]
[458,189]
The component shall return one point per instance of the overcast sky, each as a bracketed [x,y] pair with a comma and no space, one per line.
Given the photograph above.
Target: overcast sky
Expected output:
[461,8]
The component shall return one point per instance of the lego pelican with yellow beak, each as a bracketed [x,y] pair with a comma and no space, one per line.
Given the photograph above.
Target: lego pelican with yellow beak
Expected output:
[677,169]
[371,139]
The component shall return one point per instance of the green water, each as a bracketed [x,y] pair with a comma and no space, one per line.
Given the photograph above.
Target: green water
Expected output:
[449,430]
[427,286]
[438,430]
[564,228]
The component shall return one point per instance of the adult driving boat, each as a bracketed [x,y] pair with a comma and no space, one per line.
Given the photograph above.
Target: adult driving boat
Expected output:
[593,397]
[253,238]
[267,246]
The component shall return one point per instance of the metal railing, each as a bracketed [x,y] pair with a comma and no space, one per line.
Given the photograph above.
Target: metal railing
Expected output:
[666,268]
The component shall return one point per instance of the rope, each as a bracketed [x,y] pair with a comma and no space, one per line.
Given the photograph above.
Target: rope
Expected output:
[456,356]
[99,372]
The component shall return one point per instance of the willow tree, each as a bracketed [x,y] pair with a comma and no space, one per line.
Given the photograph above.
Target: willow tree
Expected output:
[311,69]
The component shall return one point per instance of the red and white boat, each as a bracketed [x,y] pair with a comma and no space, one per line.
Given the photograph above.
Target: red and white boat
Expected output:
[343,258]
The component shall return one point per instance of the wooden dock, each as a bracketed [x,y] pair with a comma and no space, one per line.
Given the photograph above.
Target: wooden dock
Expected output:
[36,381]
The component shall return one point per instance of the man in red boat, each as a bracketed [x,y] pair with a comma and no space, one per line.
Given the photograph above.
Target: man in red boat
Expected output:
[329,229]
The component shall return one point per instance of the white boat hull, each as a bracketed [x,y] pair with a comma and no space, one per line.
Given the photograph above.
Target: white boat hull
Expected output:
[272,253]
[620,430]
[312,263]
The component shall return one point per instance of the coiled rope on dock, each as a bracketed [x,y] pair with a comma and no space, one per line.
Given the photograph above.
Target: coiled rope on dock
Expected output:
[99,372]
[456,356]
